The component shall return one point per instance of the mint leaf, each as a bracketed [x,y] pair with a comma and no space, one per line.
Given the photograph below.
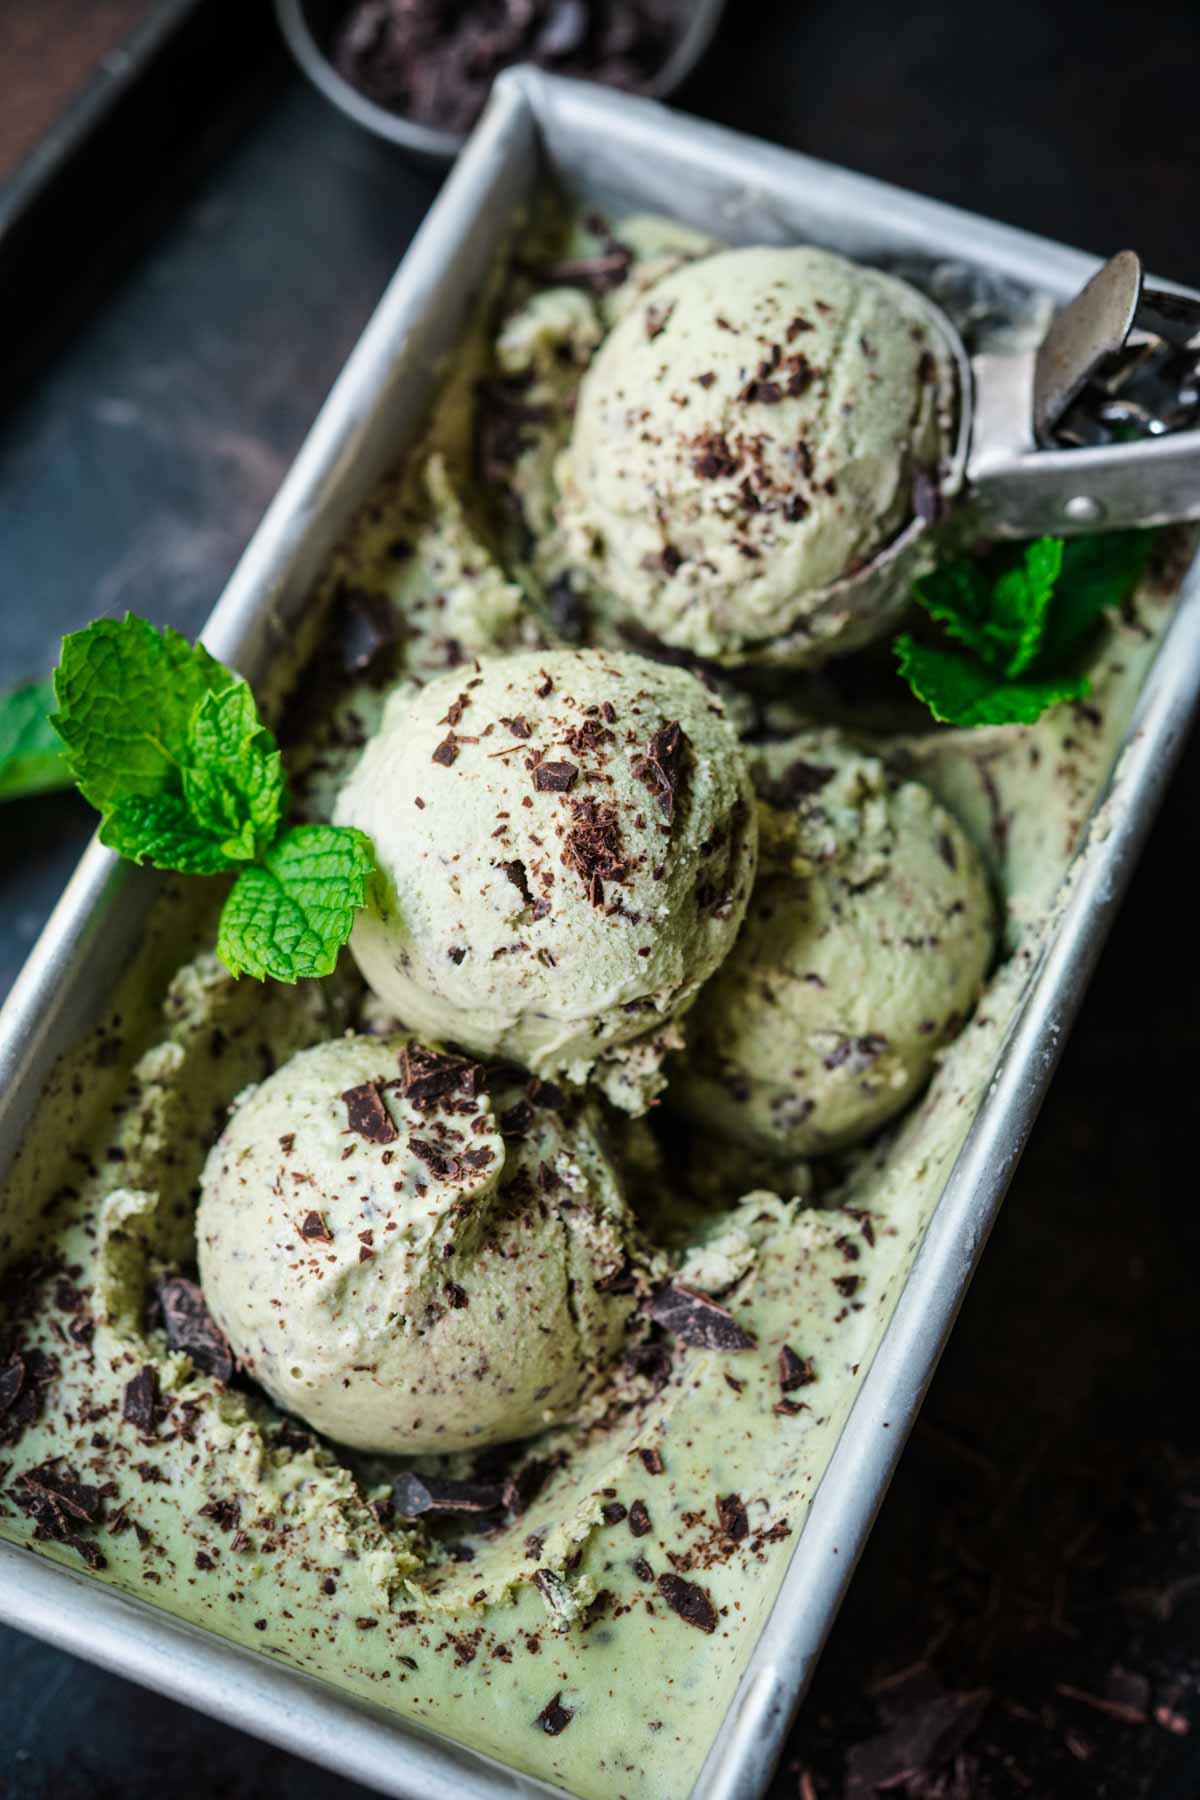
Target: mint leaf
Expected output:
[1022,616]
[1097,573]
[126,694]
[233,780]
[31,751]
[159,828]
[959,689]
[289,916]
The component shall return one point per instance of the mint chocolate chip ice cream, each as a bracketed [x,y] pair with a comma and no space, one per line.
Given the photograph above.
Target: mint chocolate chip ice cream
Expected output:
[411,1257]
[865,946]
[565,844]
[747,435]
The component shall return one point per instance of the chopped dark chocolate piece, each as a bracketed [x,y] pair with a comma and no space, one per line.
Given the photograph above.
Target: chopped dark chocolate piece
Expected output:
[520,726]
[696,1320]
[612,1512]
[651,1459]
[315,1230]
[516,1120]
[446,752]
[416,1495]
[732,1517]
[664,765]
[191,1327]
[435,1159]
[140,1405]
[517,874]
[457,1296]
[642,1569]
[692,1603]
[367,1114]
[431,1075]
[555,1717]
[794,1371]
[555,777]
[639,1519]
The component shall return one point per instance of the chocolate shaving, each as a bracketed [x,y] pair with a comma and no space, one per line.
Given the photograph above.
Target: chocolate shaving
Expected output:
[140,1404]
[794,1371]
[692,1603]
[696,1320]
[555,777]
[663,767]
[368,1116]
[732,1517]
[415,1495]
[593,847]
[555,1717]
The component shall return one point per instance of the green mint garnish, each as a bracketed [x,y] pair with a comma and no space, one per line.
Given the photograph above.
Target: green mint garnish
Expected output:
[168,746]
[290,915]
[31,751]
[1016,620]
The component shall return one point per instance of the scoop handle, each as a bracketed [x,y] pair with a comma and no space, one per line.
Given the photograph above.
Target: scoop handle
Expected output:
[1017,488]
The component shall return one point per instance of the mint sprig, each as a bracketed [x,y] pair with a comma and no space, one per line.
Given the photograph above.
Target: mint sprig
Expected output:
[167,744]
[31,751]
[1015,621]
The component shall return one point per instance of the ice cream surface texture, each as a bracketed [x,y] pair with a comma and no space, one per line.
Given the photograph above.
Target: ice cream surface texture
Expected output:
[404,1259]
[865,946]
[565,846]
[747,435]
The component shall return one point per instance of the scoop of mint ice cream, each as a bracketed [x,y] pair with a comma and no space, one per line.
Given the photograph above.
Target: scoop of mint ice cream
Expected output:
[865,946]
[565,845]
[746,435]
[412,1258]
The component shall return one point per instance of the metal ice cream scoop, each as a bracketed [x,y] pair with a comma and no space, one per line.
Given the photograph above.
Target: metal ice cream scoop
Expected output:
[1096,429]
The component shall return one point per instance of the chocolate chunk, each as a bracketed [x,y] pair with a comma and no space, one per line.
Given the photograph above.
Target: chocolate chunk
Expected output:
[731,1515]
[651,1459]
[520,726]
[139,1406]
[457,1296]
[598,274]
[446,752]
[12,1379]
[190,1327]
[435,1159]
[555,1717]
[547,1094]
[670,561]
[657,319]
[715,459]
[696,1320]
[857,1054]
[642,1569]
[415,1495]
[555,777]
[639,1519]
[315,1230]
[62,1508]
[430,1075]
[761,393]
[664,765]
[613,1512]
[367,1114]
[692,1603]
[794,1371]
[516,872]
[516,1120]
[227,1514]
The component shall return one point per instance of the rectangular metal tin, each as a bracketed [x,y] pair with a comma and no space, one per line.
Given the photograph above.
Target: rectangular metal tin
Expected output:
[639,155]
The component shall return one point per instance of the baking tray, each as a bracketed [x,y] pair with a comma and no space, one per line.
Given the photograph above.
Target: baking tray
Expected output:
[636,154]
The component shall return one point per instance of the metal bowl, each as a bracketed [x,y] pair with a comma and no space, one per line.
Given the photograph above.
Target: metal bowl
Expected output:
[308,27]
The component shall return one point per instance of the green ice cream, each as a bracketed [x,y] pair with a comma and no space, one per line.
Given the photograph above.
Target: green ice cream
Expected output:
[865,947]
[406,1265]
[747,435]
[565,845]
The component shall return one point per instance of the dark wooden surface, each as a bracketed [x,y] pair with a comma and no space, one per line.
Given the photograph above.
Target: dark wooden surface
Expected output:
[1048,1507]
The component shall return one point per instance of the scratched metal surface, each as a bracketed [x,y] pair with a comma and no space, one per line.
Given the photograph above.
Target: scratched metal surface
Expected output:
[151,431]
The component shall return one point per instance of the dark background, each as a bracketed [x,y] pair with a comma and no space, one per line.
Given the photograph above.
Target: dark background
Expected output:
[182,305]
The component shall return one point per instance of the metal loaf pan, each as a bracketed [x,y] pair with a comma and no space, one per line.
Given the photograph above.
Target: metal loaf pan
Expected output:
[638,155]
